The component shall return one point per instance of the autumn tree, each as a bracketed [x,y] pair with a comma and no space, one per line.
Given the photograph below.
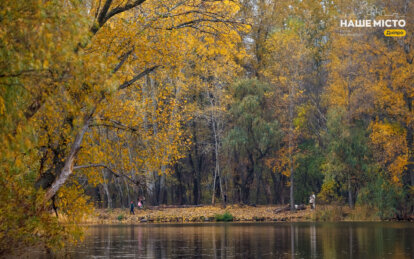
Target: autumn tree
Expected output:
[254,134]
[76,73]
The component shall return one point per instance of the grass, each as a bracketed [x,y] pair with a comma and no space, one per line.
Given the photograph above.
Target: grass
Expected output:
[224,217]
[237,213]
[344,213]
[363,213]
[328,213]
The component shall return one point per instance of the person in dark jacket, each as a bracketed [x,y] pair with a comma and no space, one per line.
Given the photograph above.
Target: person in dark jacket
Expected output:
[132,208]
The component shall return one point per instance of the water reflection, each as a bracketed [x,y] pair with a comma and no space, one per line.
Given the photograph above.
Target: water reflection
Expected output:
[265,240]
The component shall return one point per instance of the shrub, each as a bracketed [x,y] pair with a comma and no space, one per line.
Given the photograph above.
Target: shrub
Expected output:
[121,217]
[364,212]
[224,217]
[328,213]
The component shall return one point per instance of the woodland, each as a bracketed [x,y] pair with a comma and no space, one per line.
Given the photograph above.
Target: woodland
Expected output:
[188,102]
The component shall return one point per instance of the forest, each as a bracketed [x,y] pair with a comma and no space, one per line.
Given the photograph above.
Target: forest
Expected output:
[181,102]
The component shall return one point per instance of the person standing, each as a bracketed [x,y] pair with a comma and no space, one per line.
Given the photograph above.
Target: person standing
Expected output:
[312,201]
[141,200]
[132,208]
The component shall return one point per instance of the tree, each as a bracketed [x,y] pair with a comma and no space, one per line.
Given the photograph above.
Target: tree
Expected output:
[76,75]
[348,158]
[253,135]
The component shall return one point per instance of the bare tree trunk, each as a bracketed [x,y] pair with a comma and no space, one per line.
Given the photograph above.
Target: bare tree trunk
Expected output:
[161,194]
[292,198]
[217,164]
[106,189]
[69,161]
[214,124]
[121,195]
[213,195]
[159,186]
[127,190]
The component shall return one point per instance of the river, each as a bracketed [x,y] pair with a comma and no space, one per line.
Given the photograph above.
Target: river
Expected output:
[247,240]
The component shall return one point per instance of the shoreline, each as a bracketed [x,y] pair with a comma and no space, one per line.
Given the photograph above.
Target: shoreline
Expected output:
[235,213]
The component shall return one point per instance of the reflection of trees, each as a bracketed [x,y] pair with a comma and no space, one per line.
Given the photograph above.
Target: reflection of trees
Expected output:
[279,240]
[312,230]
[292,241]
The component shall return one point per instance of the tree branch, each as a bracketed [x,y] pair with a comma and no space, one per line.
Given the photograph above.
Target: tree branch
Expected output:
[120,127]
[116,174]
[102,14]
[105,14]
[118,10]
[197,21]
[124,57]
[68,165]
[137,77]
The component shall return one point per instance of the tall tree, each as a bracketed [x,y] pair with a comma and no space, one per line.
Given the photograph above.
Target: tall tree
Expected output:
[253,135]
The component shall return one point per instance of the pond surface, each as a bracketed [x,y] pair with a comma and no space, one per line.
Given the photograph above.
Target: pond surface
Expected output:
[248,240]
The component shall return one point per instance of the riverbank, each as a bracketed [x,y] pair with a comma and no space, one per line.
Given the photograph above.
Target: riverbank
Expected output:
[238,213]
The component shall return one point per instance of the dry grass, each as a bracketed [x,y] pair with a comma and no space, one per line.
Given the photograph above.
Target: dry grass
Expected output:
[363,213]
[344,213]
[196,214]
[239,213]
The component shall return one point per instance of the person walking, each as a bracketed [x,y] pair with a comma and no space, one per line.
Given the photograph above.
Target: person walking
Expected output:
[132,208]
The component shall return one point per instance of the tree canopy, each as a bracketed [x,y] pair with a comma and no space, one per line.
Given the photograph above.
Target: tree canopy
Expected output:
[103,102]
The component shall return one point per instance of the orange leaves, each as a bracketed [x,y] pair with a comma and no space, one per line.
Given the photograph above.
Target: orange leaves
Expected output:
[390,147]
[64,69]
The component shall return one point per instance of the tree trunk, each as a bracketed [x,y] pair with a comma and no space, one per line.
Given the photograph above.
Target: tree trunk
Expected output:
[258,187]
[410,146]
[127,190]
[69,161]
[162,191]
[196,164]
[245,188]
[196,190]
[106,189]
[292,198]
[275,188]
[217,162]
[180,189]
[120,192]
[350,199]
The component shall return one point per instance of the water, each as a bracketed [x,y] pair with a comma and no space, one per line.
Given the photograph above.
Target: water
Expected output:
[248,240]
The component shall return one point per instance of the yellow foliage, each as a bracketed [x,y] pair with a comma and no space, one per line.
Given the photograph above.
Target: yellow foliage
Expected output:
[391,150]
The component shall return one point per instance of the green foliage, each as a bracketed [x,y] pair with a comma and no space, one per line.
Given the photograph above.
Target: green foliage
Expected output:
[380,194]
[308,176]
[347,153]
[329,192]
[254,130]
[120,217]
[224,217]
